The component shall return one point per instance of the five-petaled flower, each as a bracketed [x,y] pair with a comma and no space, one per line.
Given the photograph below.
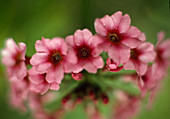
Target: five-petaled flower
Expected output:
[117,36]
[139,57]
[14,58]
[83,44]
[52,58]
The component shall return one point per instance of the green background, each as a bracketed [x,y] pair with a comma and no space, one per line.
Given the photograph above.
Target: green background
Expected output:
[29,20]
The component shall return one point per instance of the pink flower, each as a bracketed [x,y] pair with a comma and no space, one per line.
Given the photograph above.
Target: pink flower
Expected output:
[117,36]
[147,82]
[19,92]
[52,58]
[77,76]
[127,106]
[162,57]
[84,46]
[39,83]
[112,66]
[14,58]
[139,57]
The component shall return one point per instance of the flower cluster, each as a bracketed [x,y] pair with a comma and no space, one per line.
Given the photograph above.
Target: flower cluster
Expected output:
[88,59]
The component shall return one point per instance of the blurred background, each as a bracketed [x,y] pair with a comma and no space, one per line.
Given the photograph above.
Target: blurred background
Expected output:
[29,20]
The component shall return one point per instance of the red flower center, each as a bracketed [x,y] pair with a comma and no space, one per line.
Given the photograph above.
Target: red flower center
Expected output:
[114,36]
[56,58]
[83,51]
[134,54]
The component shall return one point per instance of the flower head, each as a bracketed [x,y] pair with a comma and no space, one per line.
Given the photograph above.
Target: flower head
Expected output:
[162,56]
[139,57]
[52,58]
[117,36]
[14,58]
[87,55]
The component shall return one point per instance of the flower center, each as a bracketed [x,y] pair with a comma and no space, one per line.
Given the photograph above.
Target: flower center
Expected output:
[83,52]
[113,37]
[134,54]
[56,58]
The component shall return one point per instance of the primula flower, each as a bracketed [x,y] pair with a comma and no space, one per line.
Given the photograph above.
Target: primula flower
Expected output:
[39,83]
[117,36]
[139,57]
[87,55]
[162,56]
[52,58]
[14,59]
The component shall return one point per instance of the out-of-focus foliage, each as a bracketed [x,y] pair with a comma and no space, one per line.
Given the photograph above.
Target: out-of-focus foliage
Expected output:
[29,20]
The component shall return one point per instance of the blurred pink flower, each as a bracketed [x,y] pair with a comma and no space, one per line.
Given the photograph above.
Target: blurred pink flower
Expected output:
[112,66]
[162,58]
[14,58]
[117,36]
[139,57]
[84,46]
[19,92]
[126,107]
[53,58]
[39,83]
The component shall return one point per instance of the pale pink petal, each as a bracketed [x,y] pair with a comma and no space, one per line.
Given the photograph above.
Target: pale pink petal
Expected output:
[23,50]
[160,37]
[133,32]
[129,65]
[70,40]
[97,61]
[40,47]
[21,71]
[142,37]
[11,46]
[79,66]
[71,56]
[107,22]
[90,67]
[140,67]
[35,77]
[68,67]
[147,57]
[86,35]
[56,74]
[7,59]
[145,47]
[39,58]
[99,27]
[43,67]
[131,42]
[96,40]
[124,24]
[54,86]
[78,37]
[116,18]
[165,45]
[45,88]
[119,53]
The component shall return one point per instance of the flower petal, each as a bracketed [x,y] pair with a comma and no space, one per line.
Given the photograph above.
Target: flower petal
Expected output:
[124,24]
[78,37]
[131,42]
[70,40]
[129,65]
[90,67]
[54,86]
[116,18]
[133,32]
[140,67]
[43,67]
[97,61]
[99,27]
[107,22]
[39,58]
